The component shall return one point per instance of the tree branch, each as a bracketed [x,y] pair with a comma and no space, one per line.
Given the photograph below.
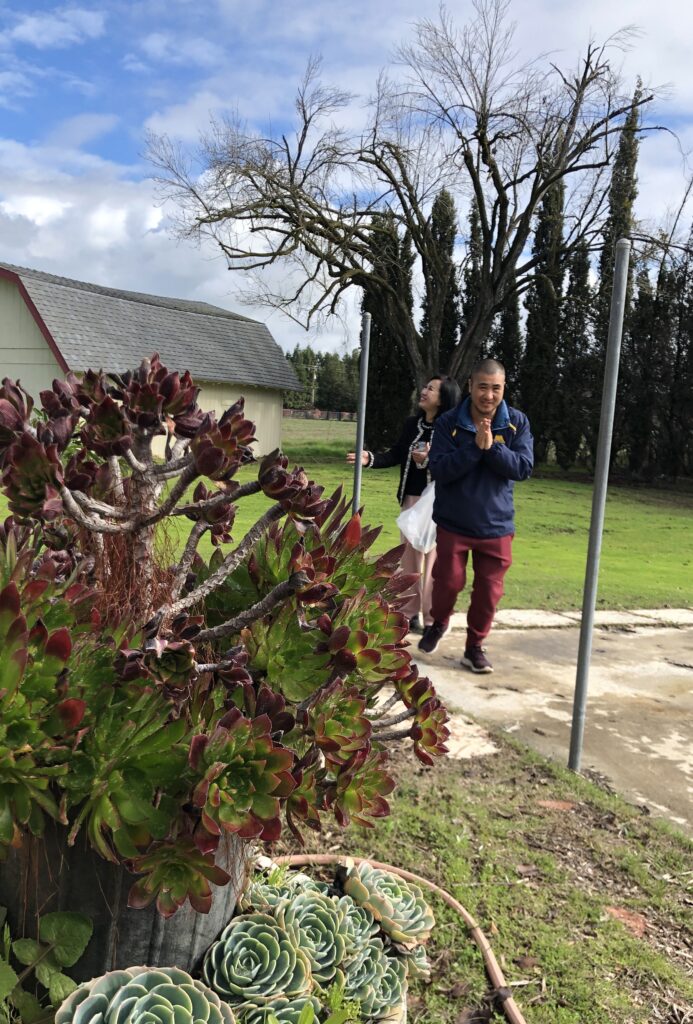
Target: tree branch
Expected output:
[261,608]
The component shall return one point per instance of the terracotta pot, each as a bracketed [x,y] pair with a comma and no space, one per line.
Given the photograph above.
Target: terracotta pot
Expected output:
[46,875]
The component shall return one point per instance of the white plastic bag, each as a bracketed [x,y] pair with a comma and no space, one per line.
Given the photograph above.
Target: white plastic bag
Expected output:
[416,523]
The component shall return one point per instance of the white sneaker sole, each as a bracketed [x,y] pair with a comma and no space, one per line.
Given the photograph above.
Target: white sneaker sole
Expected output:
[479,671]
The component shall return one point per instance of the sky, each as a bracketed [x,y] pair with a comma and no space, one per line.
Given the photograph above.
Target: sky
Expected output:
[82,83]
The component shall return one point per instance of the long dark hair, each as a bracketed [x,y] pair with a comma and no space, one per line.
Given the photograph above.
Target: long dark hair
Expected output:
[449,393]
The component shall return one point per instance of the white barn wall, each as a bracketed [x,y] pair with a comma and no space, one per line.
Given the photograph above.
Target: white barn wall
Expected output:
[24,352]
[262,405]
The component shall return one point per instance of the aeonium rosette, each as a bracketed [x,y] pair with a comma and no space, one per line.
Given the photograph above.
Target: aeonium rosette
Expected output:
[244,777]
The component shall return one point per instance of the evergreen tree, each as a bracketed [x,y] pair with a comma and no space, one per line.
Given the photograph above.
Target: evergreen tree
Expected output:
[572,356]
[619,224]
[306,365]
[539,373]
[443,290]
[505,343]
[472,273]
[391,386]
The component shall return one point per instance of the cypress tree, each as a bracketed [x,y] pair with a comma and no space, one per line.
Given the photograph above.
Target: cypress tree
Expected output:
[471,275]
[444,231]
[389,396]
[538,376]
[619,224]
[572,356]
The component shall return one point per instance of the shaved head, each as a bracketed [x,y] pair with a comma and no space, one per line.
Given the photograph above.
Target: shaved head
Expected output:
[490,367]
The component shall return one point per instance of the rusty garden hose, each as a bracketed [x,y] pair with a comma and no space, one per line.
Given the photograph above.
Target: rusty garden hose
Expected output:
[495,974]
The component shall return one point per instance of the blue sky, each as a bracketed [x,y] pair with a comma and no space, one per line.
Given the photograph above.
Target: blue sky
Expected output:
[81,83]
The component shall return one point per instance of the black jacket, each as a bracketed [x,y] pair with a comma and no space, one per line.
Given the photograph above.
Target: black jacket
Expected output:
[412,478]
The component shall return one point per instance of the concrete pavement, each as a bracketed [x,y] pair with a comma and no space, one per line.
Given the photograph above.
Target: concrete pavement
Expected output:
[639,726]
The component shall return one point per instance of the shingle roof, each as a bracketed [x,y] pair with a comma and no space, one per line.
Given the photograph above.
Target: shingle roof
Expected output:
[111,329]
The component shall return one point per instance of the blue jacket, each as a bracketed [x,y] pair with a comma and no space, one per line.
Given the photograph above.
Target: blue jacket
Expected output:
[474,488]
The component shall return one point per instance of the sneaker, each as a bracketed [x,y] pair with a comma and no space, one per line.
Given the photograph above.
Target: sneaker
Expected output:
[432,635]
[415,624]
[475,659]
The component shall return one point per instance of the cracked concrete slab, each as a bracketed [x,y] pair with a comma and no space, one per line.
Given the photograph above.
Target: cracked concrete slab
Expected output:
[639,724]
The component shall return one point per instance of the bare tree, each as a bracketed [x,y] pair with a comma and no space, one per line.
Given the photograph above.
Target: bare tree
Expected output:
[461,114]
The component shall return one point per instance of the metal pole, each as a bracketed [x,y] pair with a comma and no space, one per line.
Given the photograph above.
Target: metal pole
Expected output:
[361,413]
[601,480]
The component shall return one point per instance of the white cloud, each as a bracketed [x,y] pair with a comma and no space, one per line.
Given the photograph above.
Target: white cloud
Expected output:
[40,210]
[186,120]
[75,132]
[62,28]
[171,48]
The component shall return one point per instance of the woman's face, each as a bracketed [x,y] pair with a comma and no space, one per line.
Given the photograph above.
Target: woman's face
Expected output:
[429,399]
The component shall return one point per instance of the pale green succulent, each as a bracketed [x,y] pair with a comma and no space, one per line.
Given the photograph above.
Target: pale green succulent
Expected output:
[417,963]
[398,906]
[286,1011]
[144,995]
[390,997]
[316,924]
[359,925]
[363,973]
[255,961]
[265,895]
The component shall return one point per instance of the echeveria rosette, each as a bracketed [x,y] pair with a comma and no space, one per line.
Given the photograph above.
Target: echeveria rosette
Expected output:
[284,1011]
[316,924]
[144,995]
[364,971]
[244,777]
[359,925]
[255,961]
[389,999]
[173,873]
[398,906]
[262,894]
[417,962]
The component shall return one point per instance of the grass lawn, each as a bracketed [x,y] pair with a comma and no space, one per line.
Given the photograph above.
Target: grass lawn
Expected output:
[585,901]
[647,550]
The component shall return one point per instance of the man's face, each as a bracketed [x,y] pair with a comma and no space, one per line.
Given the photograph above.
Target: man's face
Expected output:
[486,391]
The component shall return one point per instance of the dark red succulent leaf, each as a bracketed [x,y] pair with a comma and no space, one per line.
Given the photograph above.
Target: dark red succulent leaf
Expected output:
[15,413]
[219,449]
[30,468]
[106,431]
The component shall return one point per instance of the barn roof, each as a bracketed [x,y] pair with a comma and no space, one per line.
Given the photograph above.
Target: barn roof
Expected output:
[91,326]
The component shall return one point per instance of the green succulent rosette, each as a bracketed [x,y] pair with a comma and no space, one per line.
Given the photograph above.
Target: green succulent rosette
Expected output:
[316,925]
[398,906]
[286,1011]
[262,894]
[418,964]
[364,972]
[144,995]
[387,999]
[255,961]
[359,925]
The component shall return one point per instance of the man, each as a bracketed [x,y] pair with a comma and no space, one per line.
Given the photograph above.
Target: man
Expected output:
[479,450]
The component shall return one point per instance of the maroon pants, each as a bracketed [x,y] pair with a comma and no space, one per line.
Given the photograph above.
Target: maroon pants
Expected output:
[491,559]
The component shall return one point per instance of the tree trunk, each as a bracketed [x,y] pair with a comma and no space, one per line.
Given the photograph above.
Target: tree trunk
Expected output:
[46,875]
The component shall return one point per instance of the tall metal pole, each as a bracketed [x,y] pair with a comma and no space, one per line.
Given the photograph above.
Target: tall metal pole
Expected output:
[361,413]
[601,480]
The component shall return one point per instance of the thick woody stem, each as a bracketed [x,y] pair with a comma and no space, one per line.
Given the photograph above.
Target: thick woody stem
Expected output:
[173,468]
[114,466]
[387,723]
[258,610]
[177,491]
[91,522]
[396,734]
[187,558]
[134,462]
[222,498]
[100,508]
[232,560]
[381,711]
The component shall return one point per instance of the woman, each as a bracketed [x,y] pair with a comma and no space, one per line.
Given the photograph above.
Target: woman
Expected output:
[411,454]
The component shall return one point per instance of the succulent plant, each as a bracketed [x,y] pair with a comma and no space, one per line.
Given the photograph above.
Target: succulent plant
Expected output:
[255,961]
[359,925]
[266,895]
[364,971]
[285,1011]
[144,995]
[397,905]
[316,924]
[417,962]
